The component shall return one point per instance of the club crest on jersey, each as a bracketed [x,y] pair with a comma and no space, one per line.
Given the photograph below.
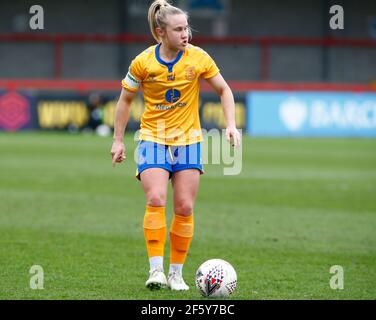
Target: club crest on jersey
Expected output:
[190,73]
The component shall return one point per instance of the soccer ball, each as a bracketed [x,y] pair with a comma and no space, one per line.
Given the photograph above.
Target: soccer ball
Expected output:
[216,278]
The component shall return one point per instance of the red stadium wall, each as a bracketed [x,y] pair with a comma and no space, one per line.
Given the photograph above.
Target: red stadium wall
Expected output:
[84,86]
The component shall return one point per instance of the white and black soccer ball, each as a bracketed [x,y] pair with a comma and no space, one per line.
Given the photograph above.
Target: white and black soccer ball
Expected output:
[216,278]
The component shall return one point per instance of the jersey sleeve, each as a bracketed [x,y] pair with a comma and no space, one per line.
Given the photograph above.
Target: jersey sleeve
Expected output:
[209,67]
[134,77]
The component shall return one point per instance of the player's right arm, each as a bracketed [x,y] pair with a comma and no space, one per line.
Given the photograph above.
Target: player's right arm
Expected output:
[131,84]
[123,107]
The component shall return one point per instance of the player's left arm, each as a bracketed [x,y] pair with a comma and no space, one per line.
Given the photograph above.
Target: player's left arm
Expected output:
[228,104]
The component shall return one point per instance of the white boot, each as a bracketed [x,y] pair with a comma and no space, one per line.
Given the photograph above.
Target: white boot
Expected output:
[176,282]
[157,279]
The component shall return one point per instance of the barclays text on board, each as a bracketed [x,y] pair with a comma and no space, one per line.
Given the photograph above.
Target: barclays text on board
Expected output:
[311,114]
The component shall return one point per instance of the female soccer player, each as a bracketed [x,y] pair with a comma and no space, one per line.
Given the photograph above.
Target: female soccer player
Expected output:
[170,135]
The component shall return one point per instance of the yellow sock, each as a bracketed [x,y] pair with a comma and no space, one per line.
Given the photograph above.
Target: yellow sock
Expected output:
[181,233]
[155,230]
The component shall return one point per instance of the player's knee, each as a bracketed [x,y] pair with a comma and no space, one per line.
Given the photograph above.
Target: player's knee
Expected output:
[156,199]
[183,208]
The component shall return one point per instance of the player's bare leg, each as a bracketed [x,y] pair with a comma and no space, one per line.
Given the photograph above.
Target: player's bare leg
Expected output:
[154,182]
[185,186]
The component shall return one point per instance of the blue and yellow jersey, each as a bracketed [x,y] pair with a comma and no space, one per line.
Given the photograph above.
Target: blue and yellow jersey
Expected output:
[171,93]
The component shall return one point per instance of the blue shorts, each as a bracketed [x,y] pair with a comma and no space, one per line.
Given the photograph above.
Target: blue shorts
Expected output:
[171,158]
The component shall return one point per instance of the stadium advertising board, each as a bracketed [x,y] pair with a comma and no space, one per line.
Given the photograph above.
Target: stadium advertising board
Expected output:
[211,113]
[59,111]
[311,114]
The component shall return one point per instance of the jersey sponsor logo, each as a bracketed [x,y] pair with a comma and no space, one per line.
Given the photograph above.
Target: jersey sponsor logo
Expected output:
[176,105]
[172,95]
[190,73]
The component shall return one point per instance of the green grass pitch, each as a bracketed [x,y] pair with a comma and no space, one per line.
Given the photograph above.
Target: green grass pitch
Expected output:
[299,207]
